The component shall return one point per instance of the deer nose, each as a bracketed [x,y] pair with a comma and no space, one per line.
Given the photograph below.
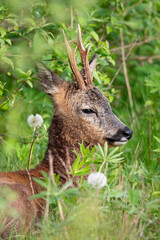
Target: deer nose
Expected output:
[127,133]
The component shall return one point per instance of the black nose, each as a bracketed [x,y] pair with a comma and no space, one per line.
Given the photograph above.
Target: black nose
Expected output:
[127,133]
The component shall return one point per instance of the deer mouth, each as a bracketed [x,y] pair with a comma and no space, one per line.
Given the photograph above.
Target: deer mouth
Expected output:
[114,142]
[121,137]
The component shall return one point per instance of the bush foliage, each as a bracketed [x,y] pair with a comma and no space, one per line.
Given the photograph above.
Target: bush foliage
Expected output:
[125,37]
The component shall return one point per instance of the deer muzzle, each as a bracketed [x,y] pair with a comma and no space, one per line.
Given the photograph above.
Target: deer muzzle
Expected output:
[121,137]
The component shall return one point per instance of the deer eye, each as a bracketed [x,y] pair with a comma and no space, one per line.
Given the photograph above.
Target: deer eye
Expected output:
[88,111]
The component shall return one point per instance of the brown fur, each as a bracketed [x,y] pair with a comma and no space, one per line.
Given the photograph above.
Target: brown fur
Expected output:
[70,125]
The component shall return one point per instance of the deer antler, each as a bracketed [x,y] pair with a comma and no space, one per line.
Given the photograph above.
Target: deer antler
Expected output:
[72,60]
[84,57]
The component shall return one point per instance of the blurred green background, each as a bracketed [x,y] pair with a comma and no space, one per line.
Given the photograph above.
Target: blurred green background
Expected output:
[31,31]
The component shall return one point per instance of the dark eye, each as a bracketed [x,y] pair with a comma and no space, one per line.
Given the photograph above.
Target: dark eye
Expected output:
[88,111]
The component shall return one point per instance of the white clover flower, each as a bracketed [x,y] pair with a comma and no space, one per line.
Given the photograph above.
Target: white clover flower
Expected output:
[35,121]
[97,179]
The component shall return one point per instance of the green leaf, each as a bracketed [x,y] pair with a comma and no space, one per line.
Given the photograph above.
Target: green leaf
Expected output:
[100,149]
[113,152]
[12,21]
[111,60]
[114,20]
[66,185]
[76,162]
[154,82]
[82,162]
[2,31]
[8,41]
[39,195]
[157,150]
[157,139]
[109,29]
[8,61]
[83,171]
[41,182]
[29,83]
[105,149]
[115,160]
[95,36]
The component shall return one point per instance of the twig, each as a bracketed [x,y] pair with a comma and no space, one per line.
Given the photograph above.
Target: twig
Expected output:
[126,77]
[150,132]
[146,58]
[132,46]
[136,153]
[125,69]
[32,188]
[119,169]
[135,159]
[30,152]
[136,219]
[96,203]
[47,201]
[102,165]
[54,183]
[137,44]
[134,223]
[51,174]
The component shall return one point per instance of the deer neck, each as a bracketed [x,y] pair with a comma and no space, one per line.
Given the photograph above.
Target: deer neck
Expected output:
[63,139]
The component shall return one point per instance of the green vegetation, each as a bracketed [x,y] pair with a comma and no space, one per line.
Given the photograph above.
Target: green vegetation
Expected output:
[119,31]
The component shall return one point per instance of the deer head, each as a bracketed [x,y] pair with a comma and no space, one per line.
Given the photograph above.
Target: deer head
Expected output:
[85,112]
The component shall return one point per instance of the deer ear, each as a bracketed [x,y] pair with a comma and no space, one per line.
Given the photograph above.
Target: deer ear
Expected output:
[50,82]
[92,64]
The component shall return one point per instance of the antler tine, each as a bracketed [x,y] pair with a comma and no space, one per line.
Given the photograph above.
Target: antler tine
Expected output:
[80,38]
[72,61]
[84,57]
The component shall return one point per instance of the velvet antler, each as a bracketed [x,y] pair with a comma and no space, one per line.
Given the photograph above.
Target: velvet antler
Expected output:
[84,57]
[72,60]
[84,78]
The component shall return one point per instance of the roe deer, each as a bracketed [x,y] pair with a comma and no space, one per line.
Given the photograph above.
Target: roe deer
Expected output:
[81,113]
